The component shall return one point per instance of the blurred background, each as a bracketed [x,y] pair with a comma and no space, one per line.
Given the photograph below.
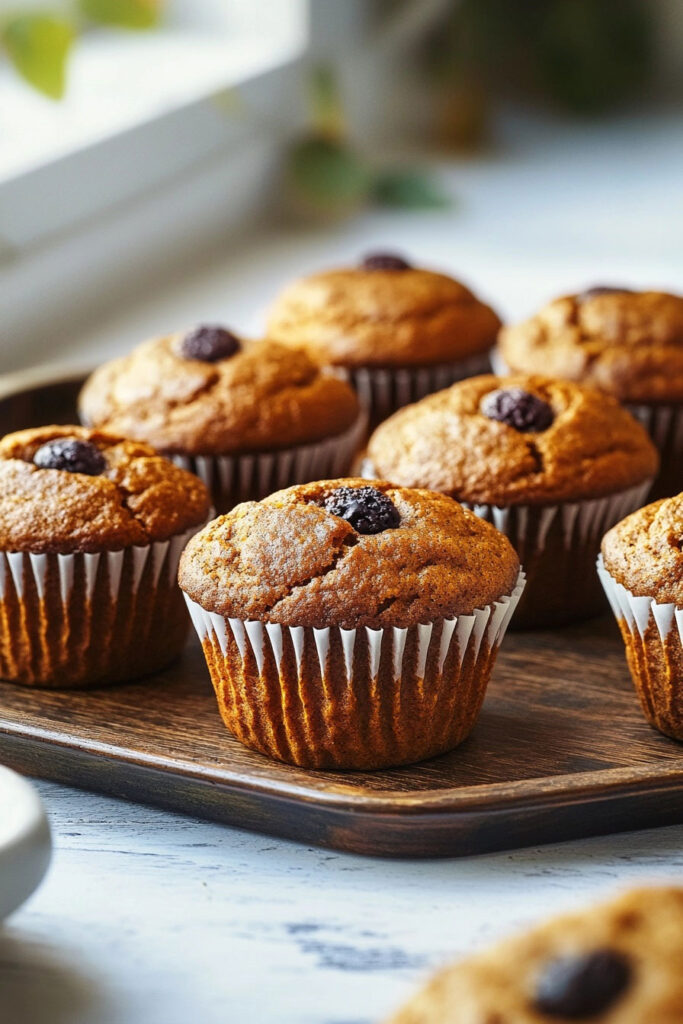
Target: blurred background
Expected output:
[164,162]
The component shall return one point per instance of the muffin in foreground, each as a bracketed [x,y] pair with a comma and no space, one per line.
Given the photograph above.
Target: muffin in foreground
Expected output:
[348,626]
[616,963]
[629,344]
[399,332]
[247,417]
[551,463]
[641,568]
[91,530]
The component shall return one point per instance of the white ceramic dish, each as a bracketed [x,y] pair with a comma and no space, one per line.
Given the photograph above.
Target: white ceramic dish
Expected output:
[25,844]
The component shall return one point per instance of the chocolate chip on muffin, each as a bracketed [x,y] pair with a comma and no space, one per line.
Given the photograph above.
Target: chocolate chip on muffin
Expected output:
[72,455]
[384,261]
[583,985]
[518,408]
[365,508]
[209,344]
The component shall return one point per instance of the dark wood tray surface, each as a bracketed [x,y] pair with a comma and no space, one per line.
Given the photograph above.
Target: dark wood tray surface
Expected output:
[561,749]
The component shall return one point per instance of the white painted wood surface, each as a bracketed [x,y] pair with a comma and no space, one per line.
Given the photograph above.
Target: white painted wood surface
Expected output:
[152,918]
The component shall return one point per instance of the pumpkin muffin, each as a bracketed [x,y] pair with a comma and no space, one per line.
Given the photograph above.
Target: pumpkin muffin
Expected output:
[551,463]
[347,625]
[91,530]
[247,417]
[642,571]
[629,344]
[398,331]
[617,963]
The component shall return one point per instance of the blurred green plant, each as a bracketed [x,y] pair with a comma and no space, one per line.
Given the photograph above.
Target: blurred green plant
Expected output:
[581,56]
[38,43]
[326,176]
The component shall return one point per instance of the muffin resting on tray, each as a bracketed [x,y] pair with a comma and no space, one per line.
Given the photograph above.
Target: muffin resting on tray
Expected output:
[247,417]
[400,332]
[618,963]
[629,344]
[91,530]
[551,463]
[347,625]
[642,571]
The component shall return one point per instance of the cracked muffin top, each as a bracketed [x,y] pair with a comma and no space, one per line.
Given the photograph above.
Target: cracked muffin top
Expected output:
[389,314]
[69,489]
[514,440]
[343,553]
[644,552]
[630,344]
[616,963]
[198,394]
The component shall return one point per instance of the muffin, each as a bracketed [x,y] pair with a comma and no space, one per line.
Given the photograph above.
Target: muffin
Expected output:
[348,626]
[247,417]
[91,530]
[551,463]
[641,568]
[397,331]
[617,963]
[629,344]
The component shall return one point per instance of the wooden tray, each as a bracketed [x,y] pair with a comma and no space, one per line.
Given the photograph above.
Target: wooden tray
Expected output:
[560,751]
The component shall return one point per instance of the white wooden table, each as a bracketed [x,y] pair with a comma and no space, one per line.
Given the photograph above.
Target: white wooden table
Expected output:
[152,918]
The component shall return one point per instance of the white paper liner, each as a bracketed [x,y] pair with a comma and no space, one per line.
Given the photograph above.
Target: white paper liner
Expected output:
[581,520]
[257,475]
[468,631]
[383,390]
[664,424]
[638,612]
[164,555]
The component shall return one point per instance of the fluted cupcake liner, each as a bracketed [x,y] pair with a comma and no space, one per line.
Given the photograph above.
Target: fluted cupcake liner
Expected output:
[83,619]
[250,477]
[384,390]
[352,698]
[653,637]
[664,424]
[558,545]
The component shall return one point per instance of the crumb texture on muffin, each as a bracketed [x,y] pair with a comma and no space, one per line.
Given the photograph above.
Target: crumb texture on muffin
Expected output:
[644,552]
[138,498]
[287,560]
[263,397]
[358,317]
[447,442]
[628,343]
[642,929]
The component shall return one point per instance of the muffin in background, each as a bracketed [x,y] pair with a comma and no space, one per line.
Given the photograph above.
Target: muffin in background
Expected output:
[629,344]
[247,417]
[616,963]
[350,626]
[399,332]
[551,463]
[91,530]
[641,568]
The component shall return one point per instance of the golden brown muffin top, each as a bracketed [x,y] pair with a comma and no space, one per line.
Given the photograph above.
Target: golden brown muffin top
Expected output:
[359,317]
[446,442]
[644,552]
[638,939]
[263,397]
[288,559]
[130,495]
[630,344]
